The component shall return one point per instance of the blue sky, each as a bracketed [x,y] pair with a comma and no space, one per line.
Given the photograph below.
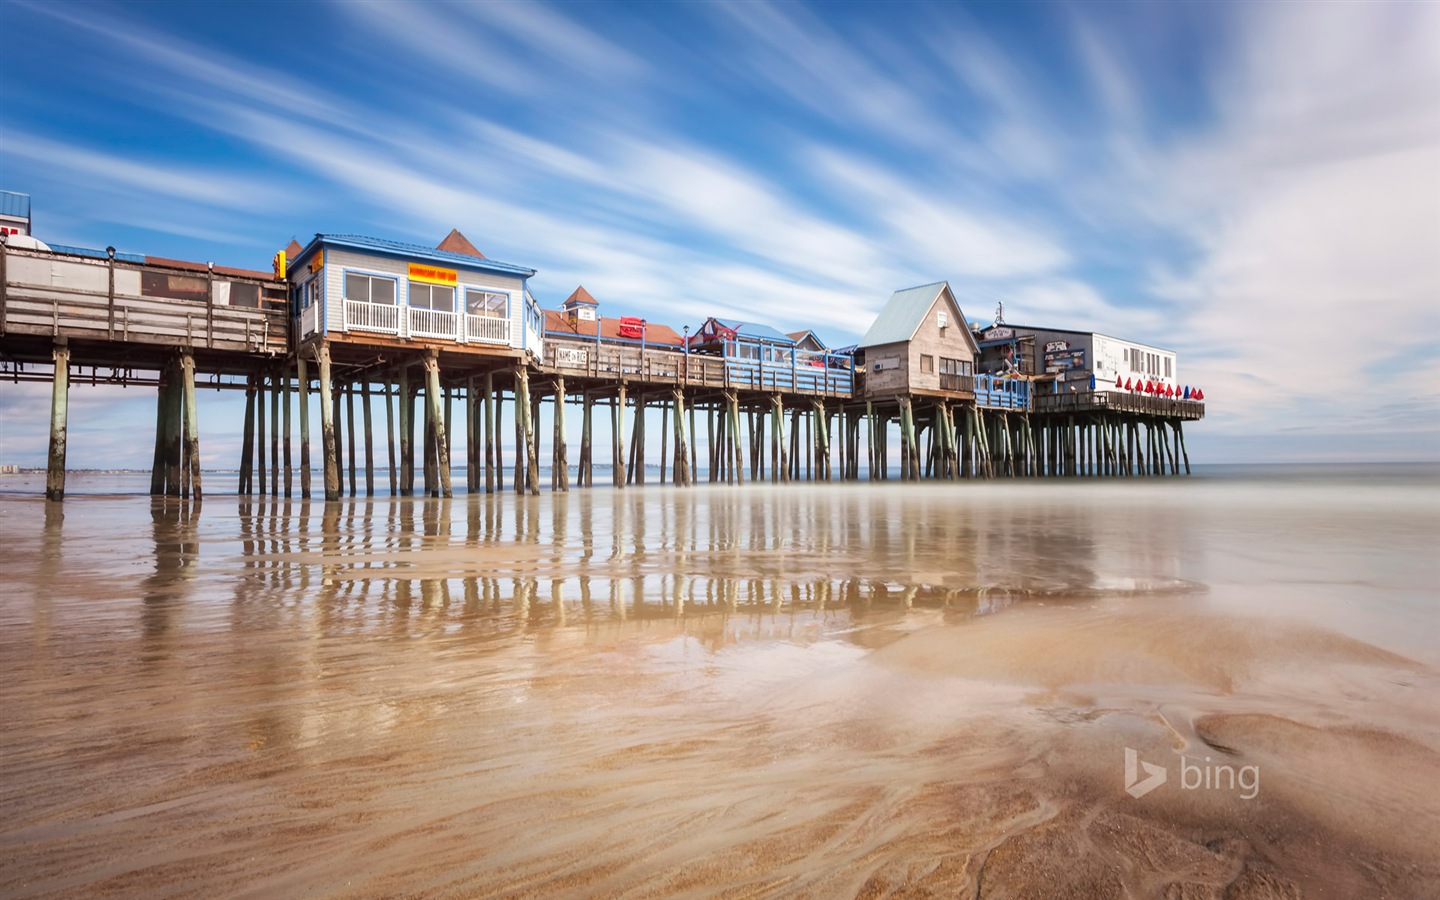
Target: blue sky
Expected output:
[1256,186]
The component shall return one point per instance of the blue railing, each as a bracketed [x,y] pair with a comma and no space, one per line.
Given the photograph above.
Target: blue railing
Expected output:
[785,368]
[1002,393]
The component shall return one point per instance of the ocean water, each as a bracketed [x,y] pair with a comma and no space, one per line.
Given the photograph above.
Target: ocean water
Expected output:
[1221,685]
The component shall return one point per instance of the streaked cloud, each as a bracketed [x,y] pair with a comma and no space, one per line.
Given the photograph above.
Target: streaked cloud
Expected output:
[796,163]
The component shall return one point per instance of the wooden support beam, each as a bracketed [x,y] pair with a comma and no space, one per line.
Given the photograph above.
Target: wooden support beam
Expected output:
[437,418]
[192,423]
[682,450]
[247,442]
[491,426]
[666,456]
[407,432]
[59,418]
[327,426]
[561,465]
[285,406]
[472,437]
[274,428]
[619,472]
[367,420]
[350,441]
[391,471]
[736,471]
[302,385]
[531,446]
[585,477]
[259,469]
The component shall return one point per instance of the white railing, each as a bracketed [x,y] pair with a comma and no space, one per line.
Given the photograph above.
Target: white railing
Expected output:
[487,329]
[434,323]
[381,317]
[310,320]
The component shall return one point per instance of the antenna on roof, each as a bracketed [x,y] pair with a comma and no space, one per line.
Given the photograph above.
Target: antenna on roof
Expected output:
[1000,313]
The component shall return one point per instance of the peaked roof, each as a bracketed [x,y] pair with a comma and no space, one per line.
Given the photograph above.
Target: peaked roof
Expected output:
[293,249]
[906,309]
[559,324]
[455,242]
[582,297]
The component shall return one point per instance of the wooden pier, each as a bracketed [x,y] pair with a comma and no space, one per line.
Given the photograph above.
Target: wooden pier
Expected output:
[179,326]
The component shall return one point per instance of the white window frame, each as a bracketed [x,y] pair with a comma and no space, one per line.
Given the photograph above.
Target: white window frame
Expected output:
[373,276]
[429,291]
[492,292]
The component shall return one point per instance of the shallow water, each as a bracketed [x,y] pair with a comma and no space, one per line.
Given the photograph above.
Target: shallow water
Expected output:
[831,691]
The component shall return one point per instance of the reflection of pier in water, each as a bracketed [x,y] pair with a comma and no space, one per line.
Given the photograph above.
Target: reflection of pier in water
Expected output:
[503,563]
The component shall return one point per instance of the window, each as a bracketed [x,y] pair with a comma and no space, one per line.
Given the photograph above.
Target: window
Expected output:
[173,287]
[247,295]
[942,318]
[369,289]
[927,363]
[954,366]
[489,303]
[438,297]
[1167,367]
[309,293]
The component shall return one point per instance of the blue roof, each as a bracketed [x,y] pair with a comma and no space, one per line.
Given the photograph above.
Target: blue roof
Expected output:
[416,251]
[758,332]
[95,254]
[13,204]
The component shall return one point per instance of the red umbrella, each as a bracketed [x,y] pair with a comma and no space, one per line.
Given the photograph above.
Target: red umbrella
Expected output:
[1127,384]
[1118,383]
[1169,391]
[1199,394]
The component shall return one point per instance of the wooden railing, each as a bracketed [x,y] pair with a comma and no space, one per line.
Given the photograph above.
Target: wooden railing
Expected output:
[64,295]
[1117,401]
[601,360]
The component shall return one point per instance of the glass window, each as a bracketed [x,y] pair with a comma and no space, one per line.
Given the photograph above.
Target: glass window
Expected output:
[438,297]
[927,363]
[487,303]
[954,366]
[245,295]
[369,289]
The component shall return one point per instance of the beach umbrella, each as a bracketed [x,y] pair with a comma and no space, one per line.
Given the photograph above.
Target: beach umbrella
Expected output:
[1127,383]
[1120,385]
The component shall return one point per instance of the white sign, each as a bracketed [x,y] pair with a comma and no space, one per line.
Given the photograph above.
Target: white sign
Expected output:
[574,357]
[1056,346]
[885,362]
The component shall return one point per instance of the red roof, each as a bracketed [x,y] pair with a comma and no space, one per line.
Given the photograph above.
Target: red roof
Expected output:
[580,295]
[558,321]
[202,267]
[455,242]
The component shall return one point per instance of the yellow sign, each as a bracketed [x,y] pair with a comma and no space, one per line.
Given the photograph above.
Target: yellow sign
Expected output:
[317,262]
[433,275]
[279,265]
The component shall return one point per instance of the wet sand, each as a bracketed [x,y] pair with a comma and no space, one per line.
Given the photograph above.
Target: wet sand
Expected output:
[844,691]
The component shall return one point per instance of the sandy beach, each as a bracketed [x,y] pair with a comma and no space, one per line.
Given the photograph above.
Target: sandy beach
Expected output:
[801,691]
